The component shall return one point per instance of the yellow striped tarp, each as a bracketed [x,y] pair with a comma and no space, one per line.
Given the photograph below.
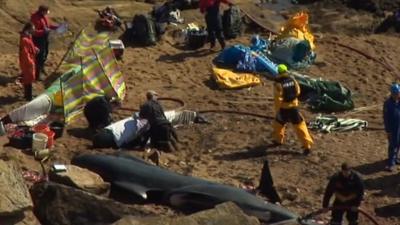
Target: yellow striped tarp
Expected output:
[83,47]
[98,74]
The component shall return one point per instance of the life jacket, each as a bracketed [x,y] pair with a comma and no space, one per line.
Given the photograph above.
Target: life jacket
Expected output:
[289,92]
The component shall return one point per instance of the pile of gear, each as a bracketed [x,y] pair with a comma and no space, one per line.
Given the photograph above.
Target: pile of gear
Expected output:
[329,123]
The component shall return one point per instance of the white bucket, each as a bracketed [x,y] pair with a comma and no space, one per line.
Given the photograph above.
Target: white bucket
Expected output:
[39,142]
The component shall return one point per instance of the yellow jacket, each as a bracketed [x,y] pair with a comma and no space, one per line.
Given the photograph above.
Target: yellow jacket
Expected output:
[278,95]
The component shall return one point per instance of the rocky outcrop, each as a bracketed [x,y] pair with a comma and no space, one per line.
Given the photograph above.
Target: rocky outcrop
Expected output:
[26,218]
[63,205]
[80,178]
[227,213]
[14,194]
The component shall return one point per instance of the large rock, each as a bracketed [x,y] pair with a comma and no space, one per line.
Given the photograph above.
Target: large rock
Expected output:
[14,194]
[63,205]
[26,218]
[226,213]
[80,178]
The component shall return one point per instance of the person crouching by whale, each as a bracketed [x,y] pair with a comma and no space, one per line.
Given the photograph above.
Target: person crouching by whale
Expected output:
[133,132]
[162,134]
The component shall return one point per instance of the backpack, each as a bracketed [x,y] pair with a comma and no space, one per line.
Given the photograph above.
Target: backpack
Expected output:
[232,22]
[145,31]
[196,38]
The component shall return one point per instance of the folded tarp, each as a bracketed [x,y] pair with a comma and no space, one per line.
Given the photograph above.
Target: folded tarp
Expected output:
[231,57]
[293,52]
[230,80]
[324,95]
[330,124]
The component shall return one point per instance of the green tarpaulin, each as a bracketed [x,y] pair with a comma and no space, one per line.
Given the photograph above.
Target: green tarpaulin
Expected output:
[324,95]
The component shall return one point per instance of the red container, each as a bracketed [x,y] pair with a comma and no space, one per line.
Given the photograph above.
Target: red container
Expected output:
[50,135]
[41,128]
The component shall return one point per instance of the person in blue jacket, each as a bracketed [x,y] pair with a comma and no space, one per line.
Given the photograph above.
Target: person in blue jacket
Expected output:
[391,118]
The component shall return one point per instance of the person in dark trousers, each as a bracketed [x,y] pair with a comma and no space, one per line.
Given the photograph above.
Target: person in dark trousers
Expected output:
[41,36]
[27,59]
[391,118]
[98,111]
[213,20]
[266,186]
[162,134]
[348,188]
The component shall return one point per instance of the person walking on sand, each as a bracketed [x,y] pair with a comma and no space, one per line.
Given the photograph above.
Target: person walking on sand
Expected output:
[348,187]
[391,119]
[286,91]
[41,36]
[27,59]
[213,20]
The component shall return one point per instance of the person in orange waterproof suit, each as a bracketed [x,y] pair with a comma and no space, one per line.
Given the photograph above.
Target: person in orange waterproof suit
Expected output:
[27,59]
[286,92]
[41,36]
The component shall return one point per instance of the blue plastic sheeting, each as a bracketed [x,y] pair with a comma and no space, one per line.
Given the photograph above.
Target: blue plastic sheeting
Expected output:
[248,63]
[258,44]
[232,56]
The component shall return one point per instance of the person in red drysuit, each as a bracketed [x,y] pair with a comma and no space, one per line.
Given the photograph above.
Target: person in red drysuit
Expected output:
[41,36]
[27,59]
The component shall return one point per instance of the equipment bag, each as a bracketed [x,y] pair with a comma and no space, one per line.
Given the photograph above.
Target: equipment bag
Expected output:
[144,30]
[232,22]
[196,38]
[331,123]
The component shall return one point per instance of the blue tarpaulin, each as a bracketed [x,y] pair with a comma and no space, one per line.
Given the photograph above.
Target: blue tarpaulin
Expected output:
[236,54]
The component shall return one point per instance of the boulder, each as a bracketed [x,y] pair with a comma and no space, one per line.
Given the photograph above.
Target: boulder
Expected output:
[14,194]
[64,205]
[80,178]
[226,213]
[26,218]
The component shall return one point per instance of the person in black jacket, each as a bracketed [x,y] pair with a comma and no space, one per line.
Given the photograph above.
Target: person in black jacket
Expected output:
[162,134]
[98,111]
[348,188]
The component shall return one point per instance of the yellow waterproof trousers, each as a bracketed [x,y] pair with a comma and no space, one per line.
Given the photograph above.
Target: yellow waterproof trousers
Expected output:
[293,116]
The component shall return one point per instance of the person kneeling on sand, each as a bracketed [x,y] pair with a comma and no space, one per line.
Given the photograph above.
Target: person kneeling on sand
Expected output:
[98,111]
[162,134]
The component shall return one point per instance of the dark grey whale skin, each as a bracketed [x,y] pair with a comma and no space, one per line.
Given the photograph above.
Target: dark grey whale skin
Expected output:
[140,178]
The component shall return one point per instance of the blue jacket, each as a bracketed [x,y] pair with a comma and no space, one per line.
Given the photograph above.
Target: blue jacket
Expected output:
[391,119]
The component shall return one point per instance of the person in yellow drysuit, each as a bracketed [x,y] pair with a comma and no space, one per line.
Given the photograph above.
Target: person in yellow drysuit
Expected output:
[286,91]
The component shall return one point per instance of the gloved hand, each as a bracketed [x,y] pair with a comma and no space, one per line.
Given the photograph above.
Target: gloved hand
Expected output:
[46,30]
